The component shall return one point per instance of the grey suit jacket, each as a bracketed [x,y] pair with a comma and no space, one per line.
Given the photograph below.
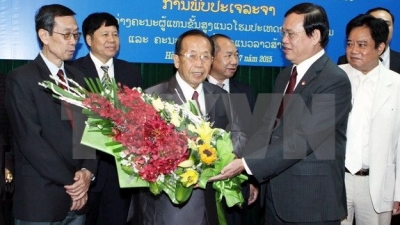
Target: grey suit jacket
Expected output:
[302,156]
[159,209]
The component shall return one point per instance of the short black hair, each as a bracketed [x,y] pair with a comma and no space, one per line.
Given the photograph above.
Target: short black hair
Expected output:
[194,32]
[377,27]
[315,18]
[95,20]
[44,18]
[380,9]
[214,38]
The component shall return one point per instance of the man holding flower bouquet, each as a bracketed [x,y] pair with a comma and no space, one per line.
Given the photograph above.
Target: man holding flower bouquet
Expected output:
[193,57]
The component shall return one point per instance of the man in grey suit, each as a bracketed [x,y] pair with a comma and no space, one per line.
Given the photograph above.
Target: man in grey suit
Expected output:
[390,58]
[298,152]
[193,57]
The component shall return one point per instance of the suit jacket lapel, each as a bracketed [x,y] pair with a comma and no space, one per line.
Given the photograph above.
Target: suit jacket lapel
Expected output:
[383,91]
[210,99]
[175,91]
[43,70]
[310,74]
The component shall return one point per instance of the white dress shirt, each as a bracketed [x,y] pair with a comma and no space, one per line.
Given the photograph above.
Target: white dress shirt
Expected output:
[363,92]
[225,85]
[54,69]
[386,58]
[98,64]
[188,92]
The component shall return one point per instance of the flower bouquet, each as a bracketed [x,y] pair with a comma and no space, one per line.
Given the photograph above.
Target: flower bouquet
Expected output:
[156,144]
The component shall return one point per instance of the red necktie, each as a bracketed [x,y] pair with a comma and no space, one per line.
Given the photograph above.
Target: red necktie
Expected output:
[195,97]
[289,90]
[60,75]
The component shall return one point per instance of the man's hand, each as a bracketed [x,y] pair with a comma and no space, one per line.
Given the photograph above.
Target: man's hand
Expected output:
[79,189]
[79,203]
[253,194]
[232,169]
[396,208]
[8,176]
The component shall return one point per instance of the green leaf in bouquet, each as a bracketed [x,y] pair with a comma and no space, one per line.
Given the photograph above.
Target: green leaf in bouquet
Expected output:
[225,151]
[93,87]
[205,175]
[58,91]
[179,171]
[88,112]
[182,193]
[230,189]
[193,107]
[118,149]
[156,188]
[127,169]
[93,138]
[113,144]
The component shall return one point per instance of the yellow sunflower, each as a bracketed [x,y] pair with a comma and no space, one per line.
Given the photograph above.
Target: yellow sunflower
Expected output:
[208,154]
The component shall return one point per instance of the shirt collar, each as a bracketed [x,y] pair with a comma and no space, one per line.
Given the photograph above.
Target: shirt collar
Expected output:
[187,89]
[306,64]
[386,57]
[98,64]
[373,75]
[212,80]
[53,68]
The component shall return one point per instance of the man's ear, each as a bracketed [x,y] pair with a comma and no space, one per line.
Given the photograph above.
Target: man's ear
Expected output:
[316,36]
[44,36]
[176,61]
[88,40]
[381,48]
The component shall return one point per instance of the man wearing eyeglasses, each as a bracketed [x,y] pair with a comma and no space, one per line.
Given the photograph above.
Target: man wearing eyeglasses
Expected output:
[52,174]
[192,59]
[298,152]
[109,204]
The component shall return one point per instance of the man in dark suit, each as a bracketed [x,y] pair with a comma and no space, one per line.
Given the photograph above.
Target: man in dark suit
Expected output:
[298,153]
[390,58]
[109,204]
[223,68]
[51,180]
[6,159]
[193,57]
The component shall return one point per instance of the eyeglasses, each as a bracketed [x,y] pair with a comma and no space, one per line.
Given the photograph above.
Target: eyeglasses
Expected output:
[207,58]
[290,34]
[67,36]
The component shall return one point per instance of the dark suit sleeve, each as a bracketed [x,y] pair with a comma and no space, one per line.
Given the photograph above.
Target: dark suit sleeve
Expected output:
[311,125]
[237,125]
[23,111]
[342,60]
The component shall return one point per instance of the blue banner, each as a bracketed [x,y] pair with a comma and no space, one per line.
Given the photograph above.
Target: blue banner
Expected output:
[149,28]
